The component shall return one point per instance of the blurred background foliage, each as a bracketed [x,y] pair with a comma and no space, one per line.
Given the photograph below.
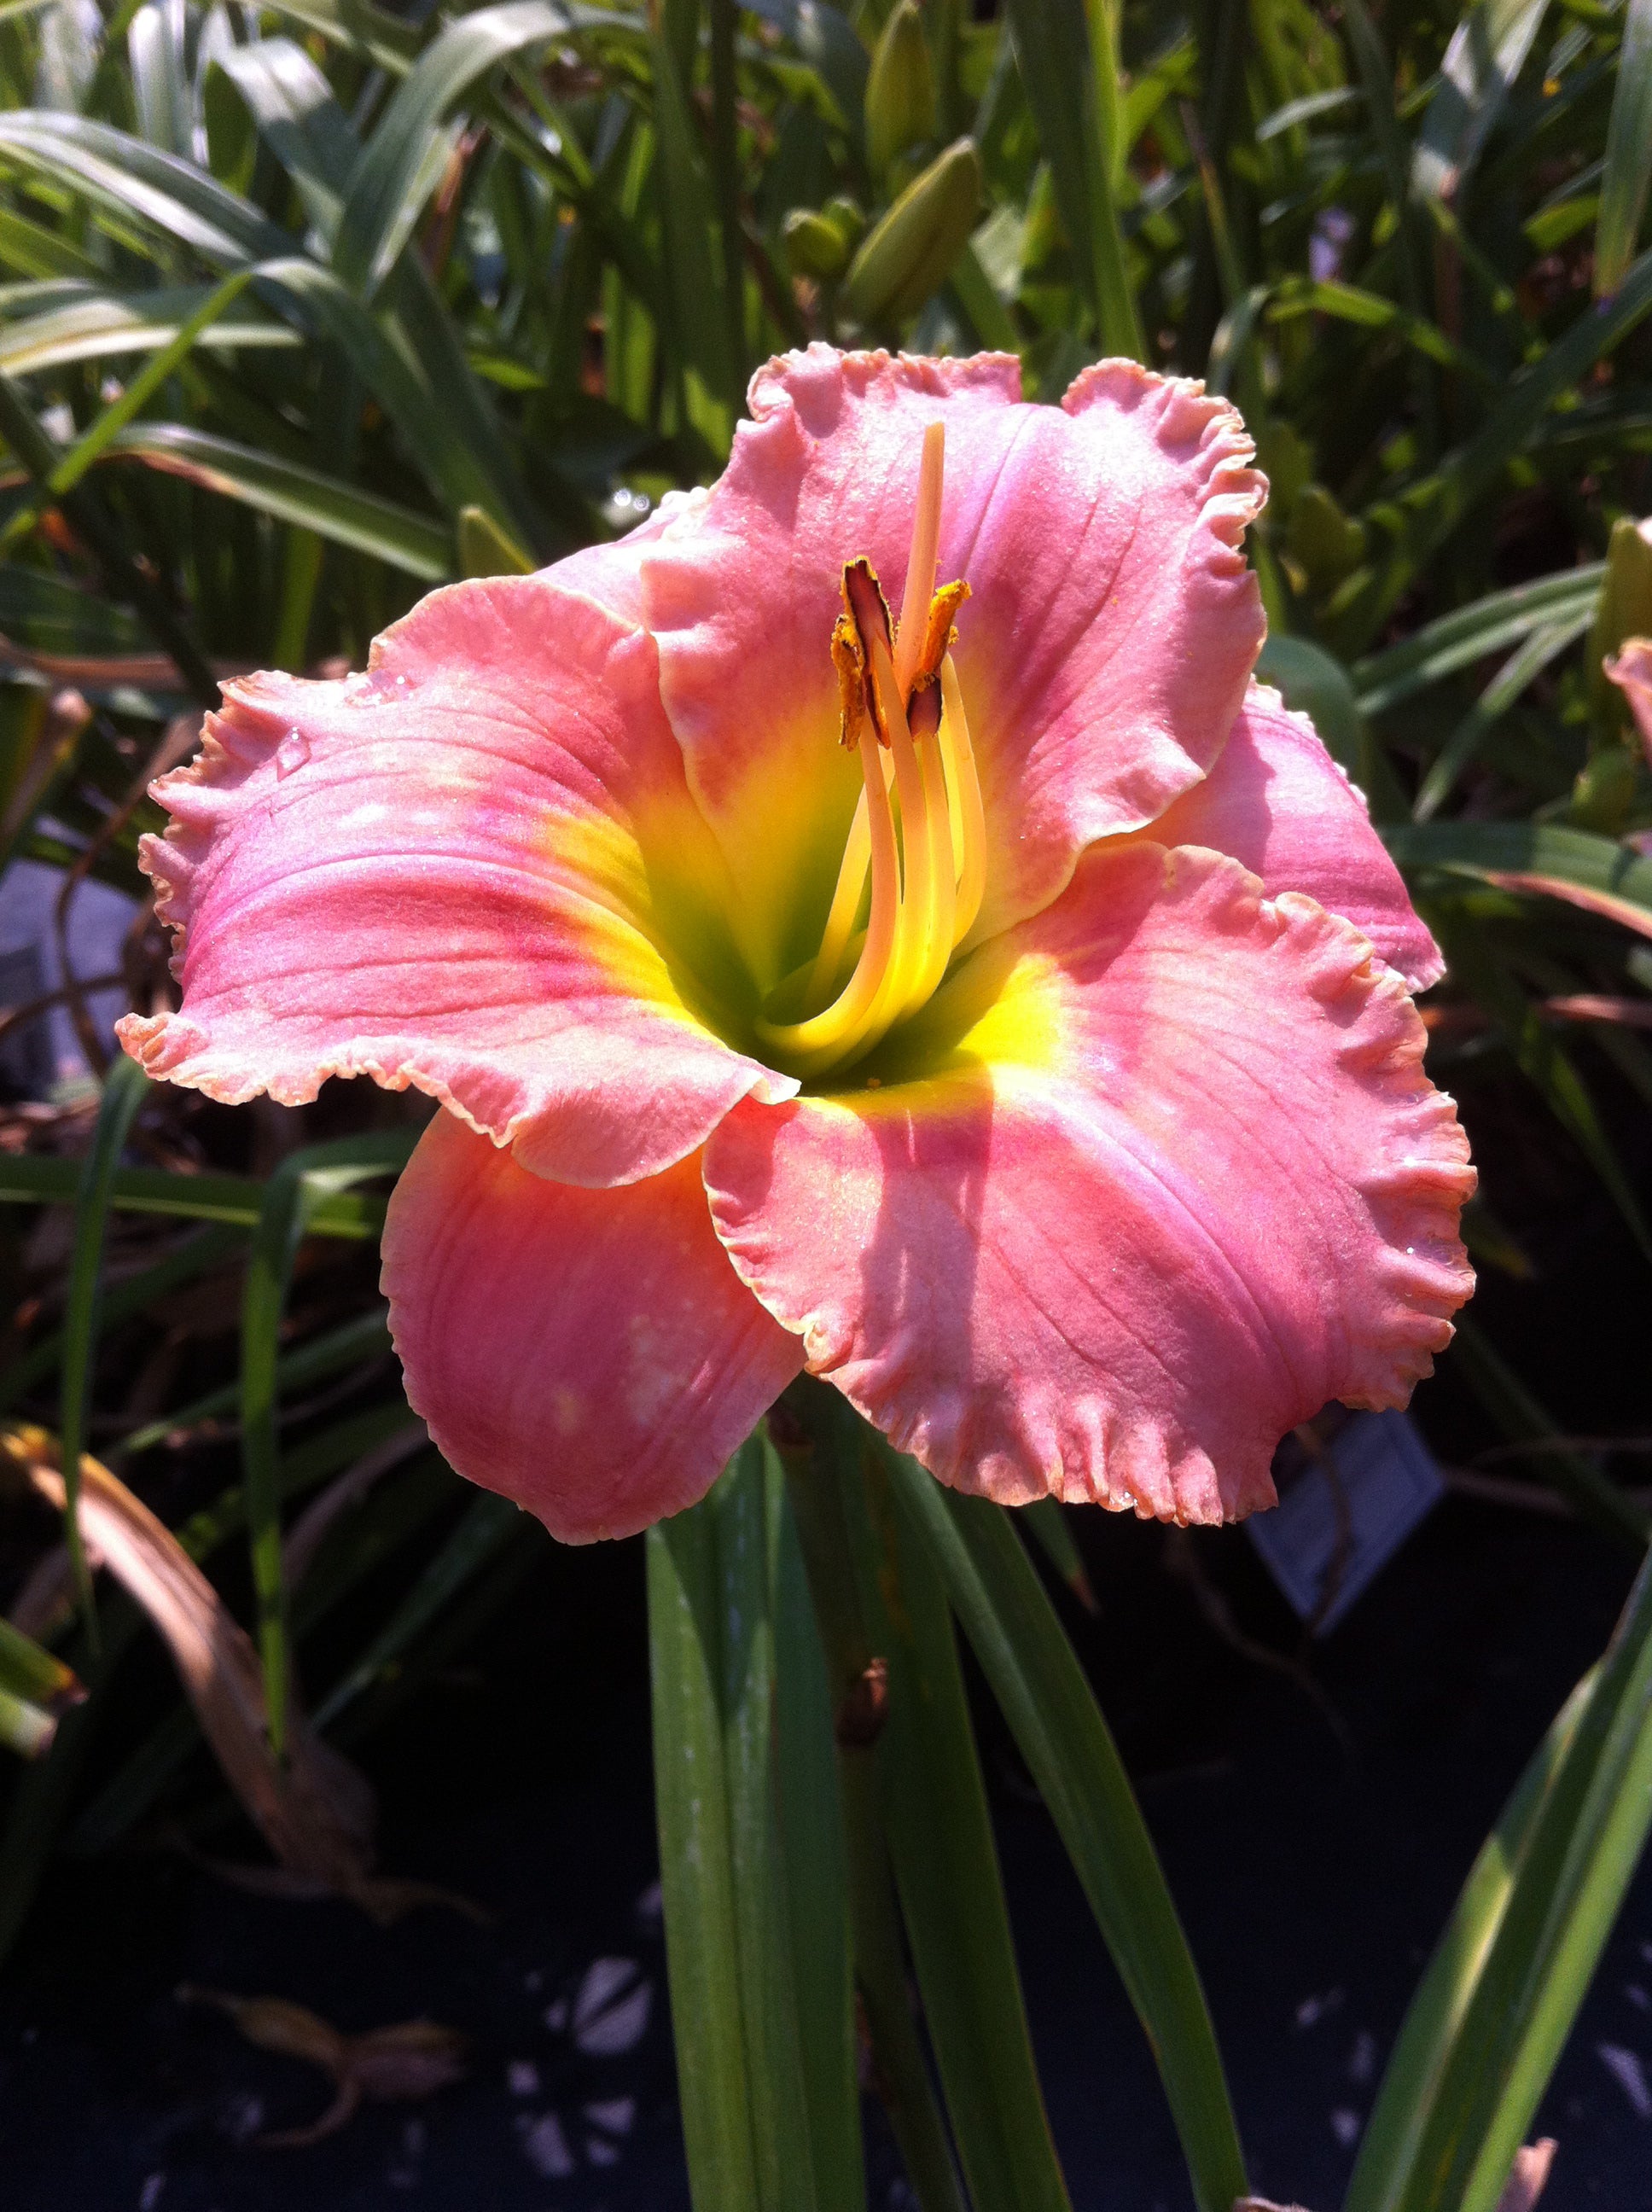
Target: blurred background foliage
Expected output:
[306,307]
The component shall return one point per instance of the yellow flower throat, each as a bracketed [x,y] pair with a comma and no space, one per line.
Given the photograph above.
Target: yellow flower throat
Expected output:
[918,829]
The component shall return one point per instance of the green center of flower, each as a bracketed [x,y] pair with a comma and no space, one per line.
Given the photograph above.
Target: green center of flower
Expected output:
[913,868]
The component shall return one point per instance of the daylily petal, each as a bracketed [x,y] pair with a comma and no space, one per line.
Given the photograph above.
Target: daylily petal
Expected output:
[476,869]
[611,574]
[1179,1179]
[1277,801]
[1103,654]
[590,1353]
[1632,671]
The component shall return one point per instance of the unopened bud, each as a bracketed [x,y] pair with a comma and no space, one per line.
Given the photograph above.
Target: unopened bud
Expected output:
[1624,612]
[847,218]
[911,251]
[899,103]
[814,245]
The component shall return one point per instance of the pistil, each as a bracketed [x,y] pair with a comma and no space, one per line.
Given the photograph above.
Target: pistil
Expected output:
[902,708]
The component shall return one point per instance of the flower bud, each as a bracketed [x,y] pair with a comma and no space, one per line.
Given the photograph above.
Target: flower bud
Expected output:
[915,245]
[899,104]
[814,246]
[847,218]
[1624,612]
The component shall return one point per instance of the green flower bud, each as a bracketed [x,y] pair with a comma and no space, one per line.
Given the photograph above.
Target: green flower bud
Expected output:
[814,246]
[900,106]
[1624,612]
[847,218]
[915,245]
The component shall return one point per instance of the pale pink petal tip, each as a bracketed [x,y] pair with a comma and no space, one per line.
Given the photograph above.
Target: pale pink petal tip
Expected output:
[1278,802]
[392,876]
[1121,1272]
[1103,655]
[591,1354]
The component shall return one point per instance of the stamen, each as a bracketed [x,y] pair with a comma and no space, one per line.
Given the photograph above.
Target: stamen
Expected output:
[917,847]
[811,1045]
[969,830]
[903,711]
[920,565]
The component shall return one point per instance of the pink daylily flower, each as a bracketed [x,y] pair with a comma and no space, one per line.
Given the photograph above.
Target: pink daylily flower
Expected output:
[1002,1010]
[1631,670]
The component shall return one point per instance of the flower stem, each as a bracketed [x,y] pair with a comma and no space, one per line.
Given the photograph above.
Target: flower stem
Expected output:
[815,1436]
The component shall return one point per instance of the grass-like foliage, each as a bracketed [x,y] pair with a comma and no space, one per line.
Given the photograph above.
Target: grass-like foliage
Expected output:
[307,306]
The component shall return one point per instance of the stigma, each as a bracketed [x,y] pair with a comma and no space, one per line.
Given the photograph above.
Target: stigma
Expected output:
[913,868]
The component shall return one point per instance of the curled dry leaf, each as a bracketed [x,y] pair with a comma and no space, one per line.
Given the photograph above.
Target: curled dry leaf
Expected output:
[413,2058]
[316,1811]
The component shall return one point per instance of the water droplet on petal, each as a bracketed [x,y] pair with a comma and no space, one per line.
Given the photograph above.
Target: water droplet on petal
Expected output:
[291,752]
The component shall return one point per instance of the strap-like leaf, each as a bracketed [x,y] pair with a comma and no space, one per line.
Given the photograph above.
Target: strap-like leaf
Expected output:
[123,1091]
[1067,1744]
[291,1198]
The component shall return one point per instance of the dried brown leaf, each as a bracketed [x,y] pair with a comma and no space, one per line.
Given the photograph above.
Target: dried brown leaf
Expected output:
[412,2058]
[315,1811]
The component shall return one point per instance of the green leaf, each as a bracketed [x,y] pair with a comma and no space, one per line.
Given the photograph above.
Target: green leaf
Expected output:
[1062,73]
[1628,173]
[1524,1421]
[1046,1522]
[363,1339]
[192,1257]
[756,1914]
[1468,634]
[1411,2081]
[50,616]
[125,1089]
[813,1857]
[1595,873]
[940,1842]
[1487,52]
[161,85]
[779,2111]
[25,1729]
[396,172]
[1433,510]
[697,1860]
[291,1198]
[823,1444]
[1576,1847]
[293,493]
[99,325]
[487,1525]
[1038,1682]
[35,1181]
[486,549]
[1348,303]
[687,217]
[1537,1052]
[1315,683]
[359,27]
[1523,667]
[28,1672]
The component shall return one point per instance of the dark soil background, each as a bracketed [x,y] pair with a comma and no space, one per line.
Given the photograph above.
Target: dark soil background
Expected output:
[1314,1826]
[1313,1879]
